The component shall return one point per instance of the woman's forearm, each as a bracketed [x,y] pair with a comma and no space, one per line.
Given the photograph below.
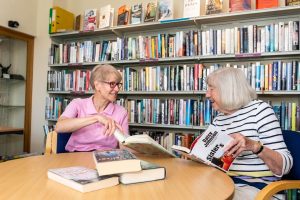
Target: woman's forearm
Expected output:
[272,159]
[64,124]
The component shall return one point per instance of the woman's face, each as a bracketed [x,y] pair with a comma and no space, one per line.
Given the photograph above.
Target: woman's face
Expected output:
[108,89]
[213,95]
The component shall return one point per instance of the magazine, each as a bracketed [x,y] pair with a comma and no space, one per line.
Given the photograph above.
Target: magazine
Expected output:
[208,148]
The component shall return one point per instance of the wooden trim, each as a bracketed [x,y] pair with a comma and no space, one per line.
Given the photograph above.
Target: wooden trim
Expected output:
[29,39]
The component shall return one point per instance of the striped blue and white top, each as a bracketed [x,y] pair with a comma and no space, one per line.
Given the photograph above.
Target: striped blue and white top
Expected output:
[258,122]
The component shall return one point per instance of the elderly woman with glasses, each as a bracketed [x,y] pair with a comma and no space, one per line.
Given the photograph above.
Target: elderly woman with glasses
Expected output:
[93,120]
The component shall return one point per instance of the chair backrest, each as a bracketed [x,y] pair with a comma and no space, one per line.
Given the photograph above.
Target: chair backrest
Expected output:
[56,142]
[292,140]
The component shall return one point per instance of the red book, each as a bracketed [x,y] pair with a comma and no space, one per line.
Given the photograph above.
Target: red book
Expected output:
[260,4]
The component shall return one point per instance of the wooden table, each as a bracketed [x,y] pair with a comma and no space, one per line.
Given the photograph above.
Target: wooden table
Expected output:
[26,178]
[9,130]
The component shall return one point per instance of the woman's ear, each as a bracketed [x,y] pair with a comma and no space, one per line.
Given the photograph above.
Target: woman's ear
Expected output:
[97,85]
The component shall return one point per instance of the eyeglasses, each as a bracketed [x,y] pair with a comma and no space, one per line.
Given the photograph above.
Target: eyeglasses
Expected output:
[113,84]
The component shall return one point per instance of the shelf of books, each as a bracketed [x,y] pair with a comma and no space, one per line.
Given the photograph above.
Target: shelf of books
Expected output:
[164,65]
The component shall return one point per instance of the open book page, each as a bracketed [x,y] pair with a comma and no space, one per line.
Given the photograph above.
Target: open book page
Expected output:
[142,144]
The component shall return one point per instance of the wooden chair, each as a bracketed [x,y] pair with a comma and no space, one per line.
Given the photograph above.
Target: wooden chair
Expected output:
[291,180]
[56,142]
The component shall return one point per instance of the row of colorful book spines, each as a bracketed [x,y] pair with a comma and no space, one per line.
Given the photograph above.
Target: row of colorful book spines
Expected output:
[288,114]
[170,111]
[69,80]
[251,39]
[158,47]
[262,77]
[55,106]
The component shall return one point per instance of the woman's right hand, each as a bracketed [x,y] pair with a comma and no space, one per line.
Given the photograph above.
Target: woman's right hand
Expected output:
[109,124]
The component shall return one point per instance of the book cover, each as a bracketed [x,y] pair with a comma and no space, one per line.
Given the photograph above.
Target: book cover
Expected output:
[81,178]
[208,148]
[191,8]
[115,161]
[260,4]
[123,15]
[213,6]
[150,13]
[239,5]
[142,144]
[90,20]
[165,10]
[292,2]
[79,23]
[150,172]
[136,13]
[104,16]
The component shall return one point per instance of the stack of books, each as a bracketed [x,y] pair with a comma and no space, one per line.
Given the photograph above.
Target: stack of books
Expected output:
[112,167]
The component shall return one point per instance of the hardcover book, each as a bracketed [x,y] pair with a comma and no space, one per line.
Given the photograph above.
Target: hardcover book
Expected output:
[142,144]
[105,16]
[208,148]
[292,2]
[150,13]
[90,20]
[123,15]
[150,172]
[165,10]
[260,4]
[191,8]
[213,6]
[115,161]
[239,5]
[136,13]
[81,178]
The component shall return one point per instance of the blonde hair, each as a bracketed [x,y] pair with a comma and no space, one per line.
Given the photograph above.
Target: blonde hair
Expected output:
[232,86]
[101,72]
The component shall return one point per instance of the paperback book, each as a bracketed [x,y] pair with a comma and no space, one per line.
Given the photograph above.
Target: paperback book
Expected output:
[165,10]
[90,20]
[239,5]
[213,6]
[191,8]
[142,144]
[81,178]
[150,13]
[150,172]
[123,15]
[115,161]
[292,2]
[208,148]
[136,13]
[105,16]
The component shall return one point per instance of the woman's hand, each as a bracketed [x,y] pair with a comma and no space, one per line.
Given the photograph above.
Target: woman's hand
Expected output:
[240,144]
[109,124]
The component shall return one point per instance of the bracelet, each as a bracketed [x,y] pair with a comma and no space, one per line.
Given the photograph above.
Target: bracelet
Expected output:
[260,149]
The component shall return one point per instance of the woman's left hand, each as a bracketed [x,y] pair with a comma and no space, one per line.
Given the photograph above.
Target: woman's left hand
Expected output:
[240,144]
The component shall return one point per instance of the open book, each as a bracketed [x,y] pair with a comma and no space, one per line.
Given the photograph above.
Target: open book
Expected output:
[208,148]
[142,144]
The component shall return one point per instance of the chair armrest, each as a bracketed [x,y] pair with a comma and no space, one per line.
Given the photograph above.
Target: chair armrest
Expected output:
[276,187]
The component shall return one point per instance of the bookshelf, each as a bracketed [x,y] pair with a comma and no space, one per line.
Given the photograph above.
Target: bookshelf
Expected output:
[169,28]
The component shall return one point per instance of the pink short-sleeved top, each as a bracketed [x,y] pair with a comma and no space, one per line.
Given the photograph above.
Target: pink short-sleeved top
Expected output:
[92,137]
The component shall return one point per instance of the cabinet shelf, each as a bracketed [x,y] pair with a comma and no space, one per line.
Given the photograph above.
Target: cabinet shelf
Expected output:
[11,81]
[182,22]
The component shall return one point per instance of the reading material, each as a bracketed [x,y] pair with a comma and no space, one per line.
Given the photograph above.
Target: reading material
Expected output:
[116,161]
[81,178]
[191,8]
[150,172]
[142,144]
[208,148]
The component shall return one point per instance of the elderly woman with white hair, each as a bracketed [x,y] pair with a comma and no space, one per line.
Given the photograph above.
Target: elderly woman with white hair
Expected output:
[93,120]
[260,153]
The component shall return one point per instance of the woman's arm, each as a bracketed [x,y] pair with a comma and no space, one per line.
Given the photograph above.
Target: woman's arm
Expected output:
[65,124]
[272,158]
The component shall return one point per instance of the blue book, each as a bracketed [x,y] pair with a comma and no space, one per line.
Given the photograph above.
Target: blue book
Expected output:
[274,75]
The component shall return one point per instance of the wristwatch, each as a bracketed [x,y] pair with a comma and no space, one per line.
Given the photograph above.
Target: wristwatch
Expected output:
[261,148]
